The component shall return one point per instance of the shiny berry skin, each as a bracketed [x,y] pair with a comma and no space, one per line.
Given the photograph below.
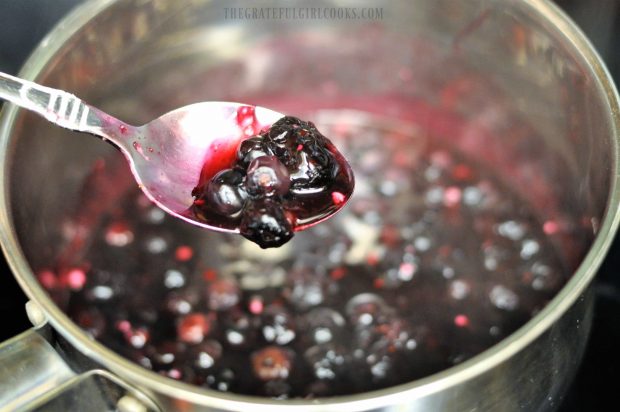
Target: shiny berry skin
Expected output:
[267,176]
[206,354]
[328,362]
[239,329]
[249,150]
[166,353]
[278,325]
[367,309]
[280,131]
[225,192]
[264,222]
[323,325]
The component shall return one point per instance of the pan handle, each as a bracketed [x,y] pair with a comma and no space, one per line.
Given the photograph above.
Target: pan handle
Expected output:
[35,377]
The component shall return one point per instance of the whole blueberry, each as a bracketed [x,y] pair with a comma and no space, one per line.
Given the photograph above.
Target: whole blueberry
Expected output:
[267,176]
[225,192]
[263,222]
[280,131]
[249,150]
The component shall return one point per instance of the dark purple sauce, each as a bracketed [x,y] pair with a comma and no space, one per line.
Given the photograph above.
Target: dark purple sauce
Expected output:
[433,261]
[279,181]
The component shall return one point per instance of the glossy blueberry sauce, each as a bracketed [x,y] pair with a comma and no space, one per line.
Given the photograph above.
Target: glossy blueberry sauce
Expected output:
[279,180]
[433,260]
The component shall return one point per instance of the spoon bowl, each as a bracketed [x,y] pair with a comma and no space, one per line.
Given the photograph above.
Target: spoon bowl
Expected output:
[168,155]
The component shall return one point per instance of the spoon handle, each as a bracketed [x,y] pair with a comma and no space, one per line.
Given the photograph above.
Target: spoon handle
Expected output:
[59,107]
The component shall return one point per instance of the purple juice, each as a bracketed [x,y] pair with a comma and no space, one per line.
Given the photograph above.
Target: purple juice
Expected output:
[432,261]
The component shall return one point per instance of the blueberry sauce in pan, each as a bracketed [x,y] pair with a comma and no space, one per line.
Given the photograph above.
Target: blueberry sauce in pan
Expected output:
[433,260]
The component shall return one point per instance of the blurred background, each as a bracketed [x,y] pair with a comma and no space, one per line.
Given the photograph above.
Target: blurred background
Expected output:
[23,23]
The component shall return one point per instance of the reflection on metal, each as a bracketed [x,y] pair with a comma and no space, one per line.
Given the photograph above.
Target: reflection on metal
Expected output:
[35,314]
[34,377]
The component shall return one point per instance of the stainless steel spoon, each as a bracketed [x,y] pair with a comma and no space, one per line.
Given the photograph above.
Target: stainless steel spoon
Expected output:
[167,154]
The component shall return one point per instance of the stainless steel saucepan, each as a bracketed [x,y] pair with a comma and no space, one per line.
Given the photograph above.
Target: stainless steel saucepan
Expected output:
[528,88]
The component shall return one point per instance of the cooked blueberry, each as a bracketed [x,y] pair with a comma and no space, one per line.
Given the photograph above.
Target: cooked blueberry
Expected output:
[263,222]
[293,165]
[278,325]
[249,150]
[272,362]
[267,176]
[225,193]
[307,175]
[279,131]
[279,136]
[282,139]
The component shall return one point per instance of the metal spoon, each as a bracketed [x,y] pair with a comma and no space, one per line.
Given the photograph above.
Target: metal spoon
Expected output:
[167,154]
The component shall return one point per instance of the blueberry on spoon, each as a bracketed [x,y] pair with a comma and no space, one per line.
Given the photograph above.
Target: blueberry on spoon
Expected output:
[283,179]
[287,176]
